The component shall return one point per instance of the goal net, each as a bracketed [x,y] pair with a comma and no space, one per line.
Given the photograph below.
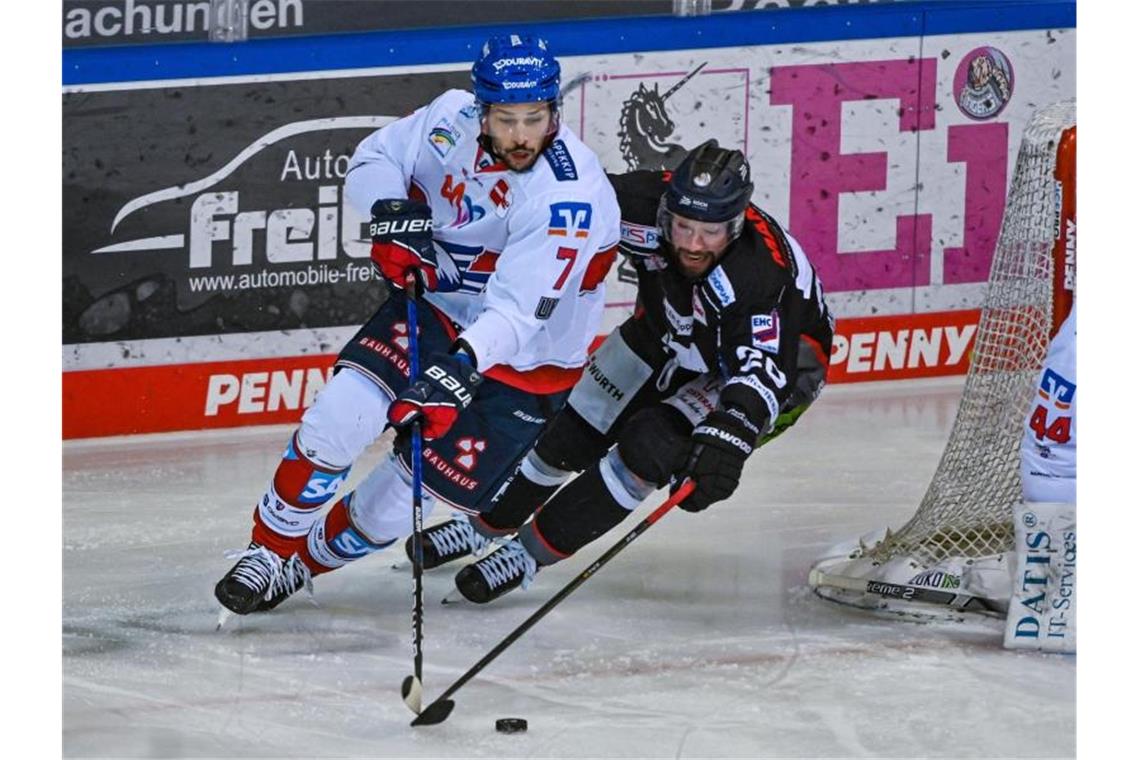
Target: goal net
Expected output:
[955,546]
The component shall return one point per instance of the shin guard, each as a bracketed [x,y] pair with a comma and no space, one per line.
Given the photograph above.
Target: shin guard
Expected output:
[334,541]
[293,501]
[582,511]
[533,483]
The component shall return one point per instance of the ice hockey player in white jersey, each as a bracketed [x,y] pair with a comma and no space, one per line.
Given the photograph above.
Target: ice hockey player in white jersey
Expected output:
[1049,446]
[1043,604]
[507,225]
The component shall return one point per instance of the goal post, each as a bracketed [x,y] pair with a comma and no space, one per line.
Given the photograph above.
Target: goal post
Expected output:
[959,538]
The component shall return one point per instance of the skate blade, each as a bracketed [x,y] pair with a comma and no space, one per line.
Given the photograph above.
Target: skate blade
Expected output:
[223,615]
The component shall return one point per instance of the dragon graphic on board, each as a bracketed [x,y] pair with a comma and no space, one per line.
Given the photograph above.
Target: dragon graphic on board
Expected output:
[646,127]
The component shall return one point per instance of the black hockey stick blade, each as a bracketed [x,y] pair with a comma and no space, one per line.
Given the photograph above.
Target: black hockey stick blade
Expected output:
[435,713]
[438,710]
[413,693]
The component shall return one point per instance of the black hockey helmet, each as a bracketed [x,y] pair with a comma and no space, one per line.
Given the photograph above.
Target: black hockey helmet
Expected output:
[712,184]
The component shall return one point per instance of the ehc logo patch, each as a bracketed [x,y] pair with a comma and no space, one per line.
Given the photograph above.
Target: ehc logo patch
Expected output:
[766,332]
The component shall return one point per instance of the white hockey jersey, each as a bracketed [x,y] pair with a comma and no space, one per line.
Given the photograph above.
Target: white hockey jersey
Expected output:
[522,255]
[1049,446]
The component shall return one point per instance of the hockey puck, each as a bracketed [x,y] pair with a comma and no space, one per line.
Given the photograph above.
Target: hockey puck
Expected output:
[510,725]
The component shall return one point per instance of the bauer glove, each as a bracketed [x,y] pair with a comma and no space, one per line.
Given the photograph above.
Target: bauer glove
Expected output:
[720,444]
[402,244]
[437,397]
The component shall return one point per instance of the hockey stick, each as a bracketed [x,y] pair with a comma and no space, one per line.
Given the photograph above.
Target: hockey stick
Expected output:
[907,593]
[438,710]
[412,688]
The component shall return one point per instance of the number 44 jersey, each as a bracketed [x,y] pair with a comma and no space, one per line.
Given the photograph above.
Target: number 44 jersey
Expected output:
[522,255]
[1049,446]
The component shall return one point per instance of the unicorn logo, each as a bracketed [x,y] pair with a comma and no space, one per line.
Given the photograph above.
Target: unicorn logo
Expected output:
[646,127]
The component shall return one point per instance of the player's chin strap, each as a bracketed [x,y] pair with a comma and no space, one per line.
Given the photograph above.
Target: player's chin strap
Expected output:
[412,688]
[438,710]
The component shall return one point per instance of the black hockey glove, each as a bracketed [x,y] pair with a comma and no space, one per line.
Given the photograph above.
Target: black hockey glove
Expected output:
[437,396]
[401,242]
[719,447]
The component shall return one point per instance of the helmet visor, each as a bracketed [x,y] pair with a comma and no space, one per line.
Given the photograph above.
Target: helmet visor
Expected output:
[695,234]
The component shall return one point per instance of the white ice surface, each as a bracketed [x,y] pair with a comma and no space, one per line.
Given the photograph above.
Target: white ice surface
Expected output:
[699,640]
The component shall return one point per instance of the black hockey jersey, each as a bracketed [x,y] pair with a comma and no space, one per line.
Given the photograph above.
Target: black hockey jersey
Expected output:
[754,318]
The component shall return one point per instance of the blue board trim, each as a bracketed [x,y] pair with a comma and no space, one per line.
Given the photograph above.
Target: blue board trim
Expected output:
[285,55]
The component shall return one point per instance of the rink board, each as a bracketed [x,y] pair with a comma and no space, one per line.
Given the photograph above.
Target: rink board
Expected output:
[206,238]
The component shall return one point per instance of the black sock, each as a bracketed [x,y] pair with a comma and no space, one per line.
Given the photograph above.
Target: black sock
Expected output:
[581,512]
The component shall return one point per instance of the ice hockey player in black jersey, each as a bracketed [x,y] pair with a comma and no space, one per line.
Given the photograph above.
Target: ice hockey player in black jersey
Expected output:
[727,346]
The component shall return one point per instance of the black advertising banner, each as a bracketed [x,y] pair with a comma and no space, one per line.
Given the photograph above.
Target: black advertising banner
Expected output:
[216,209]
[119,22]
[88,23]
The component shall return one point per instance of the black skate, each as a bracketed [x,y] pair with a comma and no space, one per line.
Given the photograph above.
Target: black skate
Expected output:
[261,580]
[506,568]
[448,542]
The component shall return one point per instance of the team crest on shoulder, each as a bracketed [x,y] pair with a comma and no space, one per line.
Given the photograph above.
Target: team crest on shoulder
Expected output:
[443,137]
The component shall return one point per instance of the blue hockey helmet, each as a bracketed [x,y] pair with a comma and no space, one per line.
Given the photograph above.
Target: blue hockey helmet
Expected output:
[515,68]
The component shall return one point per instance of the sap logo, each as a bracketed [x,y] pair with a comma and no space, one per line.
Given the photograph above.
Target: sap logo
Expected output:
[766,332]
[639,235]
[321,486]
[570,219]
[561,163]
[350,544]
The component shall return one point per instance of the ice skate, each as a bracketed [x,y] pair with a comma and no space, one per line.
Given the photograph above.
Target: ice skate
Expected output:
[260,580]
[506,568]
[448,542]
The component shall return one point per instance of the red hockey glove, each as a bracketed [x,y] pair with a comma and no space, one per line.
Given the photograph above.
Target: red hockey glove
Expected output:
[401,242]
[437,397]
[719,447]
